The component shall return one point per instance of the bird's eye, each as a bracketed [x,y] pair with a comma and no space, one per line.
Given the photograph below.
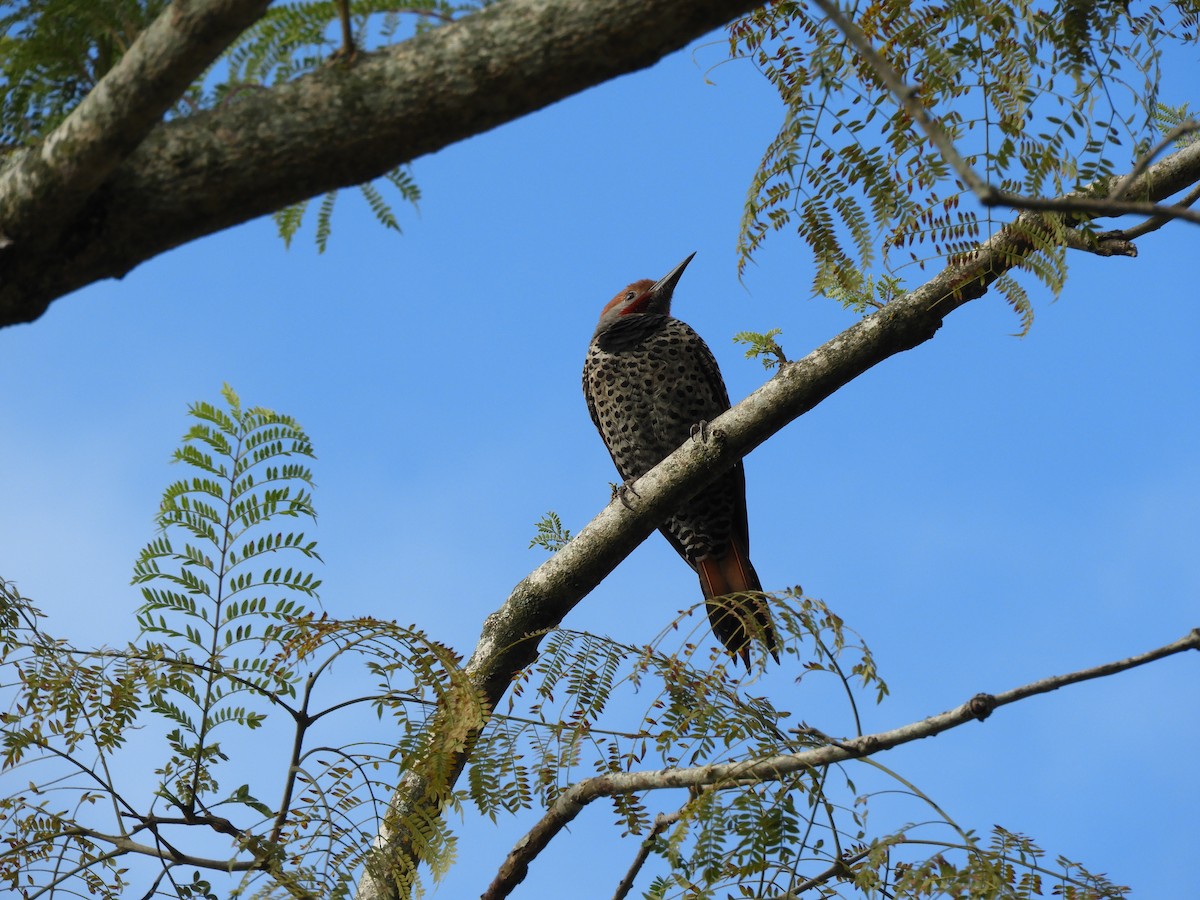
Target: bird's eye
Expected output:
[630,296]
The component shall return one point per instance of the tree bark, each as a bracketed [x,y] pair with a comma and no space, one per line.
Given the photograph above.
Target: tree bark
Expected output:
[42,189]
[341,125]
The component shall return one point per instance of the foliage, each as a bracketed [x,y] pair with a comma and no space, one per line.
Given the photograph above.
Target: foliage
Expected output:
[569,718]
[1039,99]
[227,648]
[550,534]
[1180,120]
[295,38]
[289,219]
[762,345]
[52,52]
[229,662]
[215,611]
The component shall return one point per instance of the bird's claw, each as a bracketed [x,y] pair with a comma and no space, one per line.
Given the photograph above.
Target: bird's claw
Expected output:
[622,491]
[700,431]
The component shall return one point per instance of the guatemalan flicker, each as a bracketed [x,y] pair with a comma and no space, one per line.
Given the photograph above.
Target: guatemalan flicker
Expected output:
[649,381]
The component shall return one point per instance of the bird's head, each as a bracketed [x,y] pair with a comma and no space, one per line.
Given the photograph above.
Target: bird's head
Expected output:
[643,297]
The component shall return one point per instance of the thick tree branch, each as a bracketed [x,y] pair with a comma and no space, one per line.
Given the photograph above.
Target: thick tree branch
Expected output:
[43,188]
[1183,129]
[540,602]
[573,800]
[339,126]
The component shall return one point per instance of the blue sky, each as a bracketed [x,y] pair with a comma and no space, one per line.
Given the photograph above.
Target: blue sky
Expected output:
[985,510]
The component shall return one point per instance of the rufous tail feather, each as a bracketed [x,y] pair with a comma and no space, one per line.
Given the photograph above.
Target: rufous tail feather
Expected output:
[736,619]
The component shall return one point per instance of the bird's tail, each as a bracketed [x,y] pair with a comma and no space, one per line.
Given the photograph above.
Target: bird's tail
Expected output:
[737,618]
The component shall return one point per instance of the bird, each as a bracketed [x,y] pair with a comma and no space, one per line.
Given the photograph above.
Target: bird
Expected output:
[651,383]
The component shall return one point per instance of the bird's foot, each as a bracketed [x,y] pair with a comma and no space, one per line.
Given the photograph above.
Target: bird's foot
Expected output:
[700,431]
[622,491]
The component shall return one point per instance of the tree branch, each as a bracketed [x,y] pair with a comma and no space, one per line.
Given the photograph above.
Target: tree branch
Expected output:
[1093,207]
[122,844]
[1179,131]
[543,599]
[44,186]
[573,800]
[1152,224]
[662,822]
[338,126]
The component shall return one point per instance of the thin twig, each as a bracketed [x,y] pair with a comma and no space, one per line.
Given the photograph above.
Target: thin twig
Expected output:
[661,823]
[840,866]
[347,50]
[1093,207]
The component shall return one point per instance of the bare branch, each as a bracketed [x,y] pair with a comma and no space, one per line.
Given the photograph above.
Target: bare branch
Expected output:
[1180,130]
[122,844]
[1190,641]
[1093,207]
[840,867]
[1108,243]
[1155,222]
[662,822]
[574,799]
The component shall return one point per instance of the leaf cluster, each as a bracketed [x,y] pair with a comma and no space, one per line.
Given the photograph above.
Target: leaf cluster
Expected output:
[550,534]
[227,650]
[214,604]
[1010,865]
[1032,96]
[762,346]
[52,52]
[296,38]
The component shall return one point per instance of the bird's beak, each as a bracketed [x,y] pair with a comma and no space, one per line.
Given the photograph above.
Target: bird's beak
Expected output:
[665,286]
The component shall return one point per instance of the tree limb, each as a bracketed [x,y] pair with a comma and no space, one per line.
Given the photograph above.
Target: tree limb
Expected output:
[573,800]
[542,600]
[43,187]
[1183,129]
[1093,206]
[341,125]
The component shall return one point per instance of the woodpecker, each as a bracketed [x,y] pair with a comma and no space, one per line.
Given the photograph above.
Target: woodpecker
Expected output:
[650,383]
